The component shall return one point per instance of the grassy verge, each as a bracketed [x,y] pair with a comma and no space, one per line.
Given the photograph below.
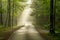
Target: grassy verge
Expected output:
[55,37]
[47,36]
[6,32]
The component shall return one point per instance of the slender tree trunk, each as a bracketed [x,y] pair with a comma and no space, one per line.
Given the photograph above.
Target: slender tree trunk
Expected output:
[13,12]
[1,22]
[52,16]
[9,11]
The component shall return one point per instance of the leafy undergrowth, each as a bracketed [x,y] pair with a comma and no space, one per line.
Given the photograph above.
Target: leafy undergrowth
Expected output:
[6,32]
[47,36]
[55,37]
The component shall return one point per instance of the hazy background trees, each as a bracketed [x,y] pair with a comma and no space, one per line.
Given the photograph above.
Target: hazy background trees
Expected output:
[42,13]
[9,10]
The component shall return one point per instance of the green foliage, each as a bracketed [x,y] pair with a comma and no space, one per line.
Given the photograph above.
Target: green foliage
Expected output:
[41,12]
[57,19]
[9,13]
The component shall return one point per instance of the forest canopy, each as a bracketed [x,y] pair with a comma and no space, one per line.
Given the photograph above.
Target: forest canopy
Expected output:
[10,10]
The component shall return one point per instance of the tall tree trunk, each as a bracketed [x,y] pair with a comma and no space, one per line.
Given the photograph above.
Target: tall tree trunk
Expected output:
[52,16]
[1,22]
[13,12]
[9,11]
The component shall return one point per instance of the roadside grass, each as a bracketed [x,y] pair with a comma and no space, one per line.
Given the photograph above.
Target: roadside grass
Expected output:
[56,36]
[47,36]
[5,32]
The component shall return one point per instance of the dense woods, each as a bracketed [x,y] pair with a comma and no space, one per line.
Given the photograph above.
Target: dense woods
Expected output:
[46,14]
[9,10]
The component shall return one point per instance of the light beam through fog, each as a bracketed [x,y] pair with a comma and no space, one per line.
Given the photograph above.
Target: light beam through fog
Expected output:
[25,14]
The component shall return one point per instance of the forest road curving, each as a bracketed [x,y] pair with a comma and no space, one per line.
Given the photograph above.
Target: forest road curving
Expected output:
[26,33]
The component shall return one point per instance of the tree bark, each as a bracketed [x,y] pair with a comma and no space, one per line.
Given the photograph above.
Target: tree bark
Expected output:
[1,22]
[52,16]
[9,11]
[13,12]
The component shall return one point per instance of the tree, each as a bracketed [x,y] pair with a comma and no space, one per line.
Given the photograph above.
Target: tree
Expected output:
[13,11]
[9,11]
[52,16]
[1,12]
